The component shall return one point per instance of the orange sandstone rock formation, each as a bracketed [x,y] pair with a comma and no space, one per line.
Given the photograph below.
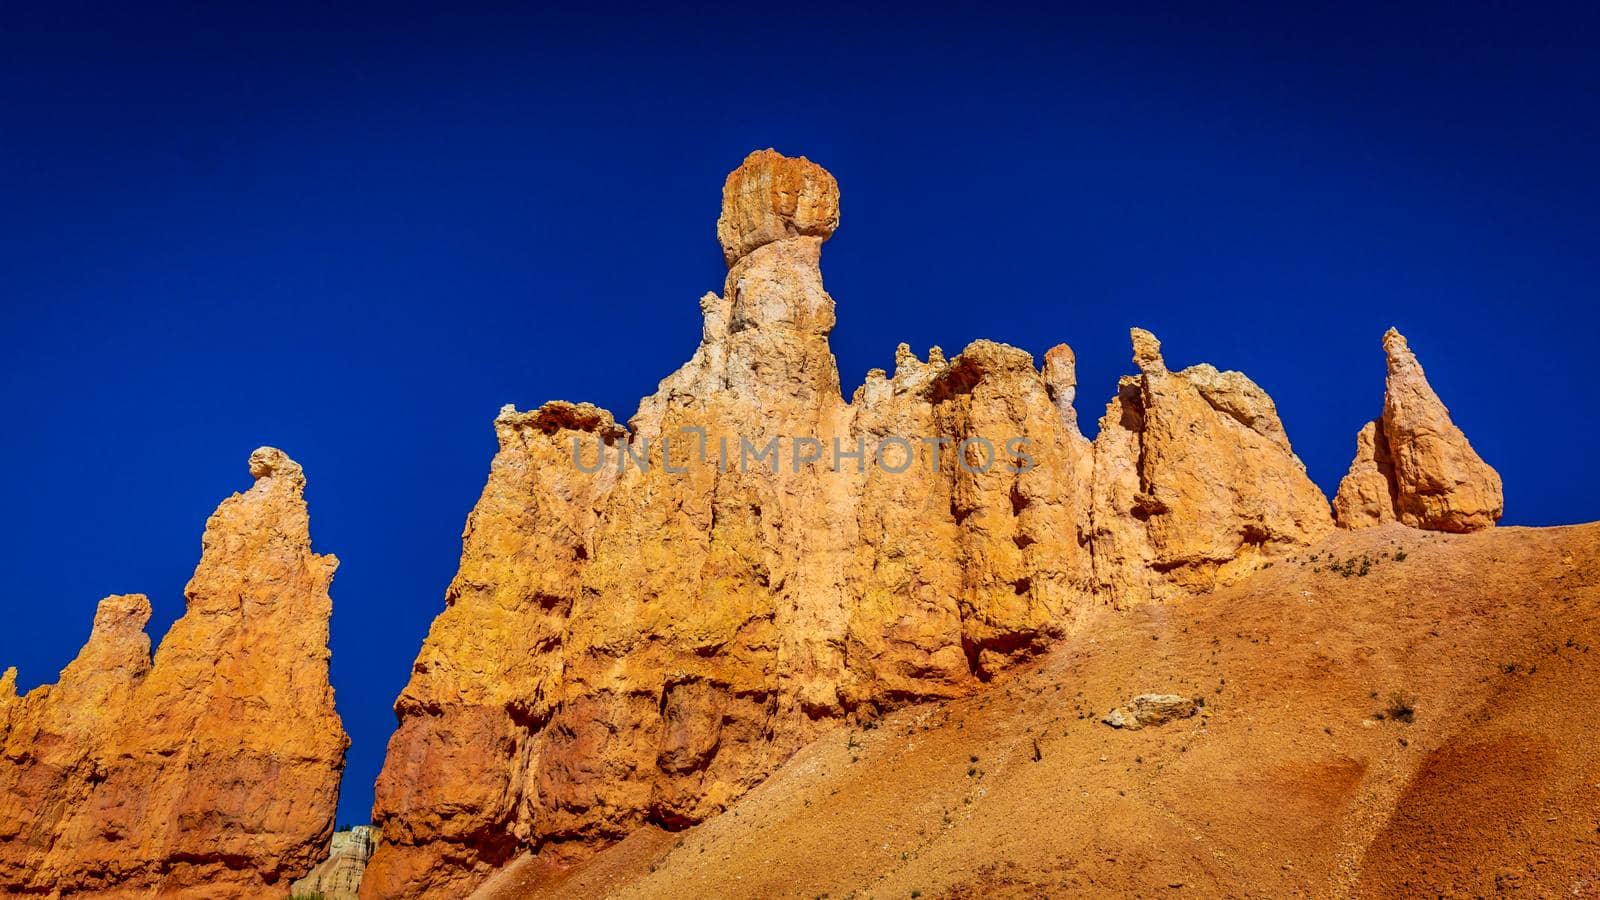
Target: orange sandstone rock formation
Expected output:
[1194,482]
[1366,493]
[212,772]
[772,197]
[629,644]
[1413,464]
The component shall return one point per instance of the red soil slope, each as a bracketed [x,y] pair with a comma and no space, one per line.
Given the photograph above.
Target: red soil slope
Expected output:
[1297,780]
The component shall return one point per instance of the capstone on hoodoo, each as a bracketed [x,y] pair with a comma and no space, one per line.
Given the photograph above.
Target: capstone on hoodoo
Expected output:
[625,645]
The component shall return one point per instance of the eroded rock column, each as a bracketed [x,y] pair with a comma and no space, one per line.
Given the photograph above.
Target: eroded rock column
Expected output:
[1413,464]
[212,771]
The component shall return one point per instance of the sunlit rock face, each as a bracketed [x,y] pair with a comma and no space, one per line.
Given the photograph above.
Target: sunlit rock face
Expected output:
[623,646]
[1413,464]
[649,618]
[211,771]
[1195,482]
[339,876]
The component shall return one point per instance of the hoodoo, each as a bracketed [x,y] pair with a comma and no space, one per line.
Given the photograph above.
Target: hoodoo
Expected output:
[649,619]
[1412,462]
[210,772]
[1194,482]
[632,645]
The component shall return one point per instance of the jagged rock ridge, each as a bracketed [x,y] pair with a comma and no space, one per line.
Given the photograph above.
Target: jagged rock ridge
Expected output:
[211,771]
[625,645]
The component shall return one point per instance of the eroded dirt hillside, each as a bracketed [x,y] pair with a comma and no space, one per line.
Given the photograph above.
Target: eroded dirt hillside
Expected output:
[1300,777]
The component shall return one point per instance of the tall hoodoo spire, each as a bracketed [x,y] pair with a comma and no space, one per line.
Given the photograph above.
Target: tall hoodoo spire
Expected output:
[1413,464]
[212,770]
[624,646]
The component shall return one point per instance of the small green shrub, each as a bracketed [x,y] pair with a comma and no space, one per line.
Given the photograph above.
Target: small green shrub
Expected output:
[1402,708]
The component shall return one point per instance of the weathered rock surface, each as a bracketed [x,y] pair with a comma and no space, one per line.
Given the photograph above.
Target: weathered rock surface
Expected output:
[339,876]
[1413,464]
[624,645]
[1150,710]
[1488,792]
[1194,482]
[211,772]
[1366,493]
[8,699]
[772,197]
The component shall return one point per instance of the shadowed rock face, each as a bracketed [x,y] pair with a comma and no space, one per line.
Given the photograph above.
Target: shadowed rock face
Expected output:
[211,772]
[626,646]
[1413,464]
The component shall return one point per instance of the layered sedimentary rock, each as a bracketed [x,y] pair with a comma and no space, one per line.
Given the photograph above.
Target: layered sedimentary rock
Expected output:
[1413,464]
[211,771]
[772,197]
[339,876]
[628,642]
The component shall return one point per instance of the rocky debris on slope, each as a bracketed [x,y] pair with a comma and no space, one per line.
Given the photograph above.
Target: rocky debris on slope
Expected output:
[1149,710]
[1413,464]
[627,644]
[211,771]
[339,876]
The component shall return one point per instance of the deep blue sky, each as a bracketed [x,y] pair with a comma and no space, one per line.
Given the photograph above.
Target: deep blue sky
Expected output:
[354,236]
